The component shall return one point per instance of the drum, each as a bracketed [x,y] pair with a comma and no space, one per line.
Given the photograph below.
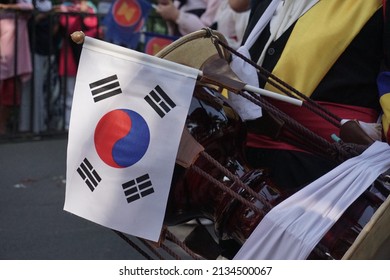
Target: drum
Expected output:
[362,232]
[373,242]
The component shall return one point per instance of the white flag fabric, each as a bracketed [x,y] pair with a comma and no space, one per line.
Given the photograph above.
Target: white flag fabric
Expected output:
[292,229]
[128,114]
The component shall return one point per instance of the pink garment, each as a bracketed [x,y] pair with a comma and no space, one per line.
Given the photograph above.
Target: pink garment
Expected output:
[188,22]
[71,23]
[7,47]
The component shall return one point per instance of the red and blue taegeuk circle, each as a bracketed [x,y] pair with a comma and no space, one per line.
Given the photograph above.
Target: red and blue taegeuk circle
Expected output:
[121,138]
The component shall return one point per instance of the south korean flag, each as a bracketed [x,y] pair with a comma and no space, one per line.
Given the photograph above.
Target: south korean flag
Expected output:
[127,118]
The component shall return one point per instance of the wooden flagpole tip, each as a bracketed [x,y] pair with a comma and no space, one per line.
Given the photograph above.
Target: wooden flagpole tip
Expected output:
[78,37]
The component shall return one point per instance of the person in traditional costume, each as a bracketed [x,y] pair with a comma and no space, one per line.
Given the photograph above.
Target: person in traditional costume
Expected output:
[335,53]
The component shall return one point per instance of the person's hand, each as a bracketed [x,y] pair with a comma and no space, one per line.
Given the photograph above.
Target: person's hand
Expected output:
[167,11]
[83,6]
[239,6]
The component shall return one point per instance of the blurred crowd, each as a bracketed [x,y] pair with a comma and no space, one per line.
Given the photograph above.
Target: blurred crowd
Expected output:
[39,61]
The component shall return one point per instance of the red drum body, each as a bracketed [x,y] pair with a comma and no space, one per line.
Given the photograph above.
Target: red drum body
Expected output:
[216,126]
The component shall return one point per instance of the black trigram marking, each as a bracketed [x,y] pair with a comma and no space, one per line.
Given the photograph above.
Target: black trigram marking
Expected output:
[89,174]
[105,88]
[137,188]
[160,101]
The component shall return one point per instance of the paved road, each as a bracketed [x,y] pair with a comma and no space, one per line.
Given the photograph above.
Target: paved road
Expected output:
[33,224]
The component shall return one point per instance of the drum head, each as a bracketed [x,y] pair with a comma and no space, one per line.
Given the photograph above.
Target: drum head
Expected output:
[193,49]
[374,240]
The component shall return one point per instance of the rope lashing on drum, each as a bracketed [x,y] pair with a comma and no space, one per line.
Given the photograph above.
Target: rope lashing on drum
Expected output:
[189,151]
[151,247]
[281,85]
[132,244]
[236,179]
[170,236]
[216,71]
[226,189]
[339,149]
[346,126]
[148,246]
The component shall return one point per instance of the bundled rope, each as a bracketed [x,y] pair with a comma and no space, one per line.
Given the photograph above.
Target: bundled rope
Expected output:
[304,137]
[283,86]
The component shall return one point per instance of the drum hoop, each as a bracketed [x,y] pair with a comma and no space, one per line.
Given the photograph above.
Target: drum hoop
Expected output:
[372,236]
[193,49]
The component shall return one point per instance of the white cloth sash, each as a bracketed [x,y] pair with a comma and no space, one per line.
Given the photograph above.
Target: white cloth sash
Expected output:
[280,14]
[292,229]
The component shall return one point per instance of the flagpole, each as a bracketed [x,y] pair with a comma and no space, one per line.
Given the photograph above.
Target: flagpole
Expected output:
[78,37]
[274,95]
[264,92]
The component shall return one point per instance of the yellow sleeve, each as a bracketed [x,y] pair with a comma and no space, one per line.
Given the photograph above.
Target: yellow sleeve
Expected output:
[385,104]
